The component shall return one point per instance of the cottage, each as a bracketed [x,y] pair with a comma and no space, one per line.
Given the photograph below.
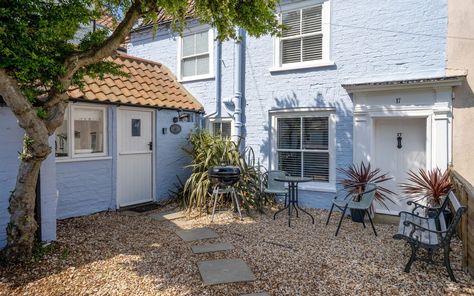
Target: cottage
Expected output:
[348,81]
[120,145]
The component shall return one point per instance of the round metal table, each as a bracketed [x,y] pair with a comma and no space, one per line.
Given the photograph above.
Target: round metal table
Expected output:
[293,196]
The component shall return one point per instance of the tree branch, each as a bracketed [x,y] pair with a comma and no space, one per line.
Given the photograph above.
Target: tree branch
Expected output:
[34,126]
[53,105]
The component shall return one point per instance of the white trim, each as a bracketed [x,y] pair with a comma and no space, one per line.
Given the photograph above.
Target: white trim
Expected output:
[222,119]
[191,31]
[325,61]
[196,77]
[66,160]
[433,104]
[104,127]
[72,156]
[284,7]
[153,153]
[329,186]
[328,110]
[303,65]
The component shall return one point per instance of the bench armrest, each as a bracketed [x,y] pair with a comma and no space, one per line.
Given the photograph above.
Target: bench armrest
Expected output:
[418,205]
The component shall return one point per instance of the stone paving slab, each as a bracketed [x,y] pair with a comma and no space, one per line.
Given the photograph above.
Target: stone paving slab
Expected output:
[256,294]
[166,216]
[209,248]
[189,235]
[225,271]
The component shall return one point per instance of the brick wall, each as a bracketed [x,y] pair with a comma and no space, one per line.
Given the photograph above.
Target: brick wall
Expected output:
[370,40]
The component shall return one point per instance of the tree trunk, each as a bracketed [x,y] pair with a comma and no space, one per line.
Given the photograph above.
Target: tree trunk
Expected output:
[22,227]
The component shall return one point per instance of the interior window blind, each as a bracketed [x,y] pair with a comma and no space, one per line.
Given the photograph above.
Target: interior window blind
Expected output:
[303,147]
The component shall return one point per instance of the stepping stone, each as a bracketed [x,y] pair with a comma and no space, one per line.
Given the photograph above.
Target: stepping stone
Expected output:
[209,248]
[225,271]
[256,294]
[166,216]
[196,234]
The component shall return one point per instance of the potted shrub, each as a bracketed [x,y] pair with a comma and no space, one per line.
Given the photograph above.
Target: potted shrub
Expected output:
[356,177]
[430,186]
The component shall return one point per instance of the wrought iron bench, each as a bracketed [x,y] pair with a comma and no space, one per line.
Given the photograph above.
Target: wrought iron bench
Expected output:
[431,233]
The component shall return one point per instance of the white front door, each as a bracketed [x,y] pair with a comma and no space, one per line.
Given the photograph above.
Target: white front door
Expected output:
[135,156]
[395,159]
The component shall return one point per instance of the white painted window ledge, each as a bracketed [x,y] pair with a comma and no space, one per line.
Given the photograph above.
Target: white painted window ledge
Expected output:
[196,78]
[318,64]
[82,159]
[331,188]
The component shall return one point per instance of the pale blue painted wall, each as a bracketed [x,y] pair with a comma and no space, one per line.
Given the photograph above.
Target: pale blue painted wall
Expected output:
[11,136]
[87,187]
[170,158]
[370,40]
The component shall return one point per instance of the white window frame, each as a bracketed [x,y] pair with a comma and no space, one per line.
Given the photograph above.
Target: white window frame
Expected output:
[70,131]
[329,113]
[325,30]
[192,31]
[220,120]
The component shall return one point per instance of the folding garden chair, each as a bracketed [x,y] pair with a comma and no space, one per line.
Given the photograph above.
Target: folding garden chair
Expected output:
[345,200]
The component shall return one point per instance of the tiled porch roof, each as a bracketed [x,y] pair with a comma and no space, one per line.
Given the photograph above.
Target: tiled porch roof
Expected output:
[148,84]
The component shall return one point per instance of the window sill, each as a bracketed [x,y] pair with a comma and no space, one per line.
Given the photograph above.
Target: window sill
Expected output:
[313,186]
[196,78]
[65,159]
[318,64]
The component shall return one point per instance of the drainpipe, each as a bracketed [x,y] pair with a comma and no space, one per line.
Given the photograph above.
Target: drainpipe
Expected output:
[218,79]
[239,77]
[218,112]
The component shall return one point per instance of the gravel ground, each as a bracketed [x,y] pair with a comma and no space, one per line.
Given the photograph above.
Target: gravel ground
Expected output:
[120,254]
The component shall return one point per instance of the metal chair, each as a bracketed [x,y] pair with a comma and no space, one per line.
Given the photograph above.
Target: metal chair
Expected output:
[344,200]
[274,187]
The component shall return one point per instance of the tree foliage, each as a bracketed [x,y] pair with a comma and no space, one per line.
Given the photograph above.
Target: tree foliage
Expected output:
[47,46]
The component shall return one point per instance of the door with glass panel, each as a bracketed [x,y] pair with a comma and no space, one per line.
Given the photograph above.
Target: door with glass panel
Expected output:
[135,156]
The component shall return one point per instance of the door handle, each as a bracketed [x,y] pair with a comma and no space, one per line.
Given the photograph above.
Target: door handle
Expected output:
[150,145]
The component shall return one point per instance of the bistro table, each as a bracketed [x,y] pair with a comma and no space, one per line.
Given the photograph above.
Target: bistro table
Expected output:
[293,195]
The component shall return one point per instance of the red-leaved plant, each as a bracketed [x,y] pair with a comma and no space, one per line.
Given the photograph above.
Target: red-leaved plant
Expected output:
[428,185]
[357,176]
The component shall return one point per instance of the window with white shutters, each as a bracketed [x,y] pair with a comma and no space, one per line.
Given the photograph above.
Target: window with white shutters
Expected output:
[303,147]
[302,39]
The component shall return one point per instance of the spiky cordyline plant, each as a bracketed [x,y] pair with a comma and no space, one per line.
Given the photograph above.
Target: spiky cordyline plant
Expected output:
[209,150]
[428,185]
[357,176]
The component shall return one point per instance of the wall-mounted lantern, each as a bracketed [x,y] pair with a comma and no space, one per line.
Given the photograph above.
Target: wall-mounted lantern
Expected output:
[399,140]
